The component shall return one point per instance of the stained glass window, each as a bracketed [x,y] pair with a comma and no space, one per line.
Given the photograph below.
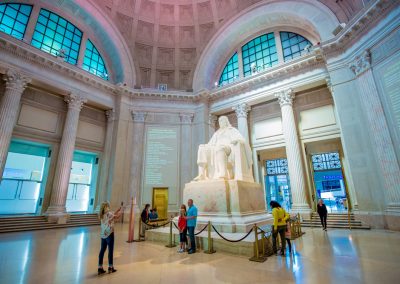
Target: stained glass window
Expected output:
[293,45]
[277,167]
[93,62]
[260,53]
[326,161]
[57,36]
[230,72]
[14,19]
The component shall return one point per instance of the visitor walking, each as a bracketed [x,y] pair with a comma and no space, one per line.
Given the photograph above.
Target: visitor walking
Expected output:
[323,213]
[191,219]
[279,227]
[182,226]
[107,218]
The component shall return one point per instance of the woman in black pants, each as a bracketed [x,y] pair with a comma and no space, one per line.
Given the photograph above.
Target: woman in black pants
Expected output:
[322,212]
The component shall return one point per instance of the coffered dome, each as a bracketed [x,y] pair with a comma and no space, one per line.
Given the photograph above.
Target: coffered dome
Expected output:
[166,37]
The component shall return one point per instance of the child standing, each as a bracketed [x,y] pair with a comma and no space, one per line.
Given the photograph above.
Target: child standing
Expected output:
[288,235]
[182,229]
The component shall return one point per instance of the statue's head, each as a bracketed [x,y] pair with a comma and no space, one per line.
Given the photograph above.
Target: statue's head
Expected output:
[223,122]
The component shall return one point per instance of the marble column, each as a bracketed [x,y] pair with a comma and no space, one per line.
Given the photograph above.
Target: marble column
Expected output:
[9,107]
[379,131]
[212,120]
[105,164]
[186,149]
[293,153]
[135,178]
[57,210]
[241,114]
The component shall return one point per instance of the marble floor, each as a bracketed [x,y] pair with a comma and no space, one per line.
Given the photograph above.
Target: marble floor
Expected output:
[70,256]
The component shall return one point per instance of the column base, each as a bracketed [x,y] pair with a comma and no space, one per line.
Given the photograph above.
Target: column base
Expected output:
[393,209]
[57,214]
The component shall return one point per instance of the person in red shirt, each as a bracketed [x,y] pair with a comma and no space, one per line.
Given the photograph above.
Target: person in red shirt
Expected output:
[182,229]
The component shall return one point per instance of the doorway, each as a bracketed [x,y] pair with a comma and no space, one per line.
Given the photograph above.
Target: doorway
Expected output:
[82,182]
[277,183]
[24,178]
[329,181]
[160,201]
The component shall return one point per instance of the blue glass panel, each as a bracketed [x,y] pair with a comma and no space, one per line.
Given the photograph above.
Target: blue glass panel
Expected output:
[293,45]
[55,38]
[14,18]
[260,53]
[93,62]
[230,72]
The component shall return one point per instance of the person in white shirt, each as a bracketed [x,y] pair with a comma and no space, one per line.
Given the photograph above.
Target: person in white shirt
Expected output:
[107,218]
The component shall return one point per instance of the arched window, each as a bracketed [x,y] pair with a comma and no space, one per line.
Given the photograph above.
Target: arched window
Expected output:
[14,19]
[293,45]
[260,51]
[93,62]
[230,72]
[57,36]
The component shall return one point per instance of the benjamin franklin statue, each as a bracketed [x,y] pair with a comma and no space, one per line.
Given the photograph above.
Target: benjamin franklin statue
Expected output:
[226,156]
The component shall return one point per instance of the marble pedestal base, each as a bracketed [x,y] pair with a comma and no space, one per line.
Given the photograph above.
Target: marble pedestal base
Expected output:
[231,206]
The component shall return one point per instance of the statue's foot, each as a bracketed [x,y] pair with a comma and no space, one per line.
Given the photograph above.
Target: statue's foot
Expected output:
[199,178]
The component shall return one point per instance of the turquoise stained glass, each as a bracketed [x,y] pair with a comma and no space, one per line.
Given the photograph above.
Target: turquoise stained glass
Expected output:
[230,72]
[261,51]
[57,36]
[14,19]
[293,45]
[93,62]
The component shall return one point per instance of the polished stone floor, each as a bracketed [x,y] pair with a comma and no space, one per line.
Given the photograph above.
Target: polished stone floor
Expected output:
[70,256]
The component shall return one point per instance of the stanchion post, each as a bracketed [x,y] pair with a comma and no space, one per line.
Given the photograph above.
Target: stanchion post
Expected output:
[131,224]
[299,223]
[210,240]
[170,244]
[348,217]
[257,256]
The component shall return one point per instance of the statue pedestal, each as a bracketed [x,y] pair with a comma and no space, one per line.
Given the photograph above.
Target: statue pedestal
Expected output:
[232,206]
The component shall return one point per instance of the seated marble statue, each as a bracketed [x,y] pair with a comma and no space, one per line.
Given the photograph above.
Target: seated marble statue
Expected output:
[227,156]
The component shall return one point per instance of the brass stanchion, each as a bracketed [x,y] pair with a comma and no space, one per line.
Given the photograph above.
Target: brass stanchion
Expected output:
[170,245]
[257,256]
[210,240]
[348,217]
[299,224]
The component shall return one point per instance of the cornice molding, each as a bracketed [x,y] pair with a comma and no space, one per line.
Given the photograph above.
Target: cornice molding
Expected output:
[282,71]
[23,50]
[356,27]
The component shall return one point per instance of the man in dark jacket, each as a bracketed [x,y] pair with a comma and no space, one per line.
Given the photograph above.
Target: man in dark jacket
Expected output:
[322,212]
[145,219]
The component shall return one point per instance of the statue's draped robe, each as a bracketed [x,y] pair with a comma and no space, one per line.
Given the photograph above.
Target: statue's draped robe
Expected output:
[238,163]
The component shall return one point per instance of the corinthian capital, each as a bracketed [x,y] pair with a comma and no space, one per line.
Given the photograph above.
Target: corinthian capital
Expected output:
[75,101]
[241,110]
[110,114]
[138,116]
[361,63]
[16,80]
[285,97]
[186,118]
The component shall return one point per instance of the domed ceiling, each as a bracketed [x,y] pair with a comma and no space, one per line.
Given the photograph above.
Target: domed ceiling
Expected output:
[166,37]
